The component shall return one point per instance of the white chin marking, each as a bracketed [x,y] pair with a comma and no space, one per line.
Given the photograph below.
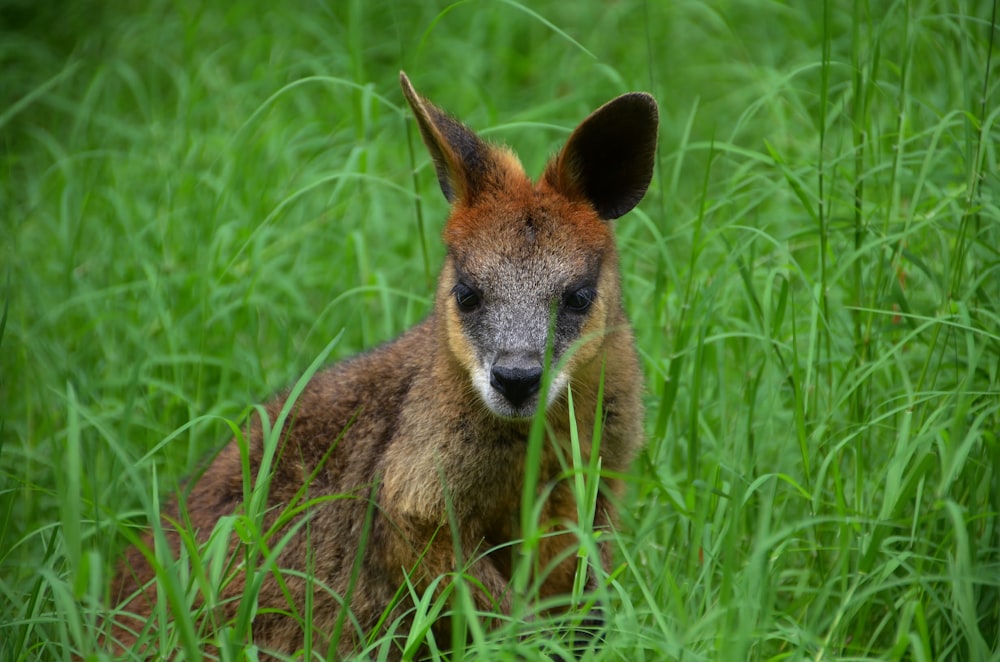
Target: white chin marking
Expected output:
[557,387]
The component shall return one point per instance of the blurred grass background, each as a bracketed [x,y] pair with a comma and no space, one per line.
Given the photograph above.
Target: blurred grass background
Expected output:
[196,197]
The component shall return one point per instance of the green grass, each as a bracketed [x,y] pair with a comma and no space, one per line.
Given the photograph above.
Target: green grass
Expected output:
[197,198]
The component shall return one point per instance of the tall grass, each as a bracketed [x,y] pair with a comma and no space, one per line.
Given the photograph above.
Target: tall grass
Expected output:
[196,199]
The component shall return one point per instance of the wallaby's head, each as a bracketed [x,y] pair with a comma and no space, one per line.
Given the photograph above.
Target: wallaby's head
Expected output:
[525,258]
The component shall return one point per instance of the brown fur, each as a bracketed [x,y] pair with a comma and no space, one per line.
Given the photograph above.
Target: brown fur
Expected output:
[402,431]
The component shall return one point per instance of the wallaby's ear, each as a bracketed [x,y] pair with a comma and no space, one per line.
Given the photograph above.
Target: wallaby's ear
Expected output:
[608,160]
[461,159]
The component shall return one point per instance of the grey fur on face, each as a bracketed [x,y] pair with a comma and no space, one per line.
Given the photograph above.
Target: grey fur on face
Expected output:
[518,302]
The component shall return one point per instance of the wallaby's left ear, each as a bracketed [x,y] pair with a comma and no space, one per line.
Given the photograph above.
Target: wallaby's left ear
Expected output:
[608,160]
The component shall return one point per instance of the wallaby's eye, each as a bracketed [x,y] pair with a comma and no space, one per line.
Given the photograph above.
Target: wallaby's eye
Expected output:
[466,297]
[579,301]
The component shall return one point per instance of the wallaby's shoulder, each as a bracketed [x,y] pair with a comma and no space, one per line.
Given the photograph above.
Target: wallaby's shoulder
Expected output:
[376,379]
[359,398]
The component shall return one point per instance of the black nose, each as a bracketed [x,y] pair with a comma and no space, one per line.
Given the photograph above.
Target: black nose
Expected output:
[516,384]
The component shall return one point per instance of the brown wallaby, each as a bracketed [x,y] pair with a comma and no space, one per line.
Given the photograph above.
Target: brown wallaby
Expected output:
[419,446]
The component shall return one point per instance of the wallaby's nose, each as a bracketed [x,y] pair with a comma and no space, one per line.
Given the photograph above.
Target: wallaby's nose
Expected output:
[516,384]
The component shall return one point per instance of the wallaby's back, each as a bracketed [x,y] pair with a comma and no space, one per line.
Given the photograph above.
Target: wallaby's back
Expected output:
[393,446]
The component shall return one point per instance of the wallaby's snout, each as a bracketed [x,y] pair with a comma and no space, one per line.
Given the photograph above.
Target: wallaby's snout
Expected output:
[517,379]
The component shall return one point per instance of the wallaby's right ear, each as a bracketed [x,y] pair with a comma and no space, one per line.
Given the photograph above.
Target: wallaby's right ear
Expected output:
[608,160]
[462,160]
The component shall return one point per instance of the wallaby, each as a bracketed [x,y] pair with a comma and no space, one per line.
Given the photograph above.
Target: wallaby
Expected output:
[426,436]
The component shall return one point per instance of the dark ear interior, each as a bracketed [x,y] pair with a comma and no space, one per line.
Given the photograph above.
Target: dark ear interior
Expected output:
[608,160]
[460,157]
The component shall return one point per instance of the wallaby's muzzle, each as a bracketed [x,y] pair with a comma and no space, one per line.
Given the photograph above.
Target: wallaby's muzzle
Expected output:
[517,383]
